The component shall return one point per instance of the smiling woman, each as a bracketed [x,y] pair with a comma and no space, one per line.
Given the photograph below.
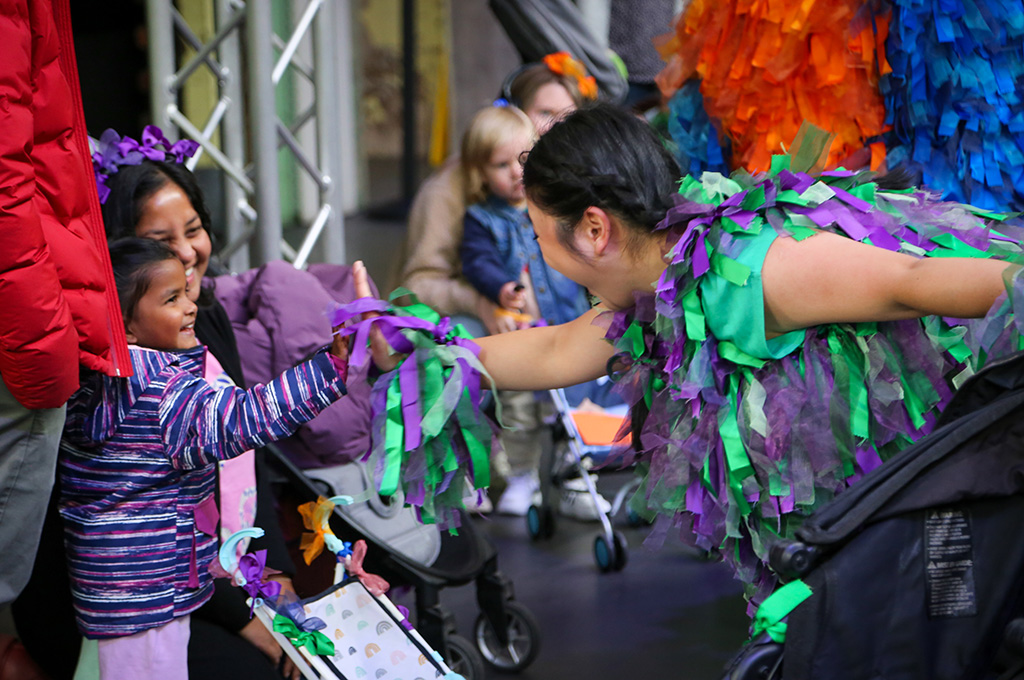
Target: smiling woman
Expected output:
[162,201]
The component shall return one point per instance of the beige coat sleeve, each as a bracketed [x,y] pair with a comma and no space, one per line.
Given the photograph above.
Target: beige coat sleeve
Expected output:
[432,269]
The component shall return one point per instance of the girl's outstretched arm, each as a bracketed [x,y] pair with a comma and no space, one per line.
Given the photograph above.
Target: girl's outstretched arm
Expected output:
[830,279]
[531,359]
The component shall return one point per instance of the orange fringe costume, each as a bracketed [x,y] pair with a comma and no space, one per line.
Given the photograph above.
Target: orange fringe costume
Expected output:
[766,66]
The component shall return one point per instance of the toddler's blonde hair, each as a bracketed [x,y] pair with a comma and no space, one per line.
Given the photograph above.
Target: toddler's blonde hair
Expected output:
[488,129]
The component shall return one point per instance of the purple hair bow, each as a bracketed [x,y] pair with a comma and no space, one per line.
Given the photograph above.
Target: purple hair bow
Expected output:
[114,151]
[252,567]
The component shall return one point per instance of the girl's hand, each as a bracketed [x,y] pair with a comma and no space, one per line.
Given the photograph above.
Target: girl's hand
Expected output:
[379,348]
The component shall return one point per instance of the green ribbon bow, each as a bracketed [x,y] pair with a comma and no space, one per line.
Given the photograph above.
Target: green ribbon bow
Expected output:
[776,607]
[314,641]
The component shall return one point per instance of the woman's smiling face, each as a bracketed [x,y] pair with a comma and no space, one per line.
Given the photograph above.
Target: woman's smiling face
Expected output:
[168,216]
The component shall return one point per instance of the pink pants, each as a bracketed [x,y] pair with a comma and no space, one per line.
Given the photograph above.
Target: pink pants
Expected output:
[155,653]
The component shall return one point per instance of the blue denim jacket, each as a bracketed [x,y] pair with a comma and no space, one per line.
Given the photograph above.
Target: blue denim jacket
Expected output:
[509,230]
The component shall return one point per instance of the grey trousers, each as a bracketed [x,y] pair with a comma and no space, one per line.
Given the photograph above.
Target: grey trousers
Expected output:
[29,440]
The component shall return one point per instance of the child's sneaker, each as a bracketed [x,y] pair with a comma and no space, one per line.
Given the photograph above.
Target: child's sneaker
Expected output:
[577,503]
[518,495]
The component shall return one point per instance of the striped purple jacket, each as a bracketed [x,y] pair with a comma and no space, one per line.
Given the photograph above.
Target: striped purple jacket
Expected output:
[137,461]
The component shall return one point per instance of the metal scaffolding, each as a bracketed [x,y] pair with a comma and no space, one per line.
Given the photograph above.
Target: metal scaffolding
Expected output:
[243,133]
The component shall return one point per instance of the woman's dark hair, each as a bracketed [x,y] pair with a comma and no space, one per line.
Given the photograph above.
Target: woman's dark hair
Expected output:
[132,185]
[133,259]
[605,157]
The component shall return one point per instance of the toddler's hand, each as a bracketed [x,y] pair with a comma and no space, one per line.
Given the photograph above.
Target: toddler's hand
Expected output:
[512,296]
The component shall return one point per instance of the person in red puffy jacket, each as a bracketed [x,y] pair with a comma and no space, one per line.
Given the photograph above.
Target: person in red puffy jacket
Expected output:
[60,309]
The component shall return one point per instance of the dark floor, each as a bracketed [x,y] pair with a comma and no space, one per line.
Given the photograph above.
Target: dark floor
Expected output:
[667,614]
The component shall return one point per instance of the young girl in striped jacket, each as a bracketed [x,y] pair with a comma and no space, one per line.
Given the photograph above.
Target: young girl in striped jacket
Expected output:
[137,467]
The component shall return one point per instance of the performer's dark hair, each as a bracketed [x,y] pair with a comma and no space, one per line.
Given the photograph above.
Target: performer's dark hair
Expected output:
[605,157]
[897,178]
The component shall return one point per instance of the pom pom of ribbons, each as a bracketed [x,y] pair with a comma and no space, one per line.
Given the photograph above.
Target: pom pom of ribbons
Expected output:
[429,432]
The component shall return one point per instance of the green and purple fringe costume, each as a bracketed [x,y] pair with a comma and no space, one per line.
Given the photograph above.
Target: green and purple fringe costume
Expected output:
[737,447]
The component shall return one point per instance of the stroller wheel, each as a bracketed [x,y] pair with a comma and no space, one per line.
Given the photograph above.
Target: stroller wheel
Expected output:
[523,639]
[540,522]
[464,659]
[610,557]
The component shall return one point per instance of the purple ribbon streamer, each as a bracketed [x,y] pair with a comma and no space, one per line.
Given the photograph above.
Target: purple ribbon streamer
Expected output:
[409,382]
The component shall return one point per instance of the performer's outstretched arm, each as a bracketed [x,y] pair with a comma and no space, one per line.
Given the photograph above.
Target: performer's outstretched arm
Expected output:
[532,359]
[828,278]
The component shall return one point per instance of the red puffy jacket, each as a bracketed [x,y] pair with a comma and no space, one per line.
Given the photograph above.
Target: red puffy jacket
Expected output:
[58,303]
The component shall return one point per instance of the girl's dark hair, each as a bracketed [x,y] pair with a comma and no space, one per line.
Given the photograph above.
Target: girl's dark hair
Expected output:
[132,185]
[133,259]
[605,157]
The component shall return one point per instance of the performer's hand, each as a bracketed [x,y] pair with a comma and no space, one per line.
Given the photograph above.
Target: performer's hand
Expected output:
[379,348]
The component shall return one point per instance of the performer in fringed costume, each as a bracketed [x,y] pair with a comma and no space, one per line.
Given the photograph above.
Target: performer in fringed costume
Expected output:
[777,334]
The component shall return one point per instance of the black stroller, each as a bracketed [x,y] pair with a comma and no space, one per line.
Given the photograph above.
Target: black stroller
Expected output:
[505,636]
[916,571]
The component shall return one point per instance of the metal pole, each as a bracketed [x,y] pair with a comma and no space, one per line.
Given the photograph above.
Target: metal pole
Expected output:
[263,117]
[232,134]
[328,136]
[160,30]
[408,100]
[348,144]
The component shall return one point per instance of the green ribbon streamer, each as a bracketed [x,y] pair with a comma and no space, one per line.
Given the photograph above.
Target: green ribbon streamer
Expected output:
[693,314]
[633,341]
[818,193]
[736,460]
[865,192]
[730,352]
[479,453]
[954,247]
[809,148]
[416,308]
[431,386]
[729,269]
[394,439]
[314,641]
[790,196]
[850,377]
[776,607]
[754,199]
[780,162]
